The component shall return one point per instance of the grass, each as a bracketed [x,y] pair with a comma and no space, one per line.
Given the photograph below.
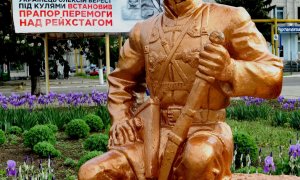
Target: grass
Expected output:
[85,76]
[267,137]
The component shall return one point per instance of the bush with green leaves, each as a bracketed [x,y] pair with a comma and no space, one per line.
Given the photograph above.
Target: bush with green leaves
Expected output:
[94,122]
[15,130]
[69,162]
[38,133]
[2,137]
[96,142]
[87,157]
[245,144]
[77,128]
[13,139]
[280,118]
[295,119]
[53,128]
[44,149]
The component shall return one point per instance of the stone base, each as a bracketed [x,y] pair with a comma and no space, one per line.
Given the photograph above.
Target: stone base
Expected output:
[262,177]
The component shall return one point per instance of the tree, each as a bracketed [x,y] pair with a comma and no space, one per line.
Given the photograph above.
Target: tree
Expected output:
[18,48]
[258,9]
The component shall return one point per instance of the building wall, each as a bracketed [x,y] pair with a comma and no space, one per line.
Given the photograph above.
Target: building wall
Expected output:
[290,46]
[289,41]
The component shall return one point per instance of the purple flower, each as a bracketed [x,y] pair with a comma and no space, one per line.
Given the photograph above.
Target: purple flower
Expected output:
[294,150]
[285,106]
[11,168]
[280,99]
[292,106]
[269,164]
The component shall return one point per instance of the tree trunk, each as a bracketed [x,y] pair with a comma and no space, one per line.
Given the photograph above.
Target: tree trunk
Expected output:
[35,85]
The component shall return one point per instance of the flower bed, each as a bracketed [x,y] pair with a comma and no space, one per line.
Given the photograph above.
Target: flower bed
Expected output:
[277,144]
[53,99]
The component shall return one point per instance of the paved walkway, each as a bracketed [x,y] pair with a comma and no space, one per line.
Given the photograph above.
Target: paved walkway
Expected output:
[290,89]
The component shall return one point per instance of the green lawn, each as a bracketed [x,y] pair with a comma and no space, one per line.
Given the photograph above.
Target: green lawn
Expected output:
[268,137]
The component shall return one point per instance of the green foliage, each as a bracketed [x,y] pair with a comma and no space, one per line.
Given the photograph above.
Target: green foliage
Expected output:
[69,162]
[241,111]
[288,165]
[87,157]
[280,118]
[53,128]
[80,73]
[2,173]
[72,177]
[18,117]
[295,119]
[26,119]
[94,122]
[13,139]
[245,144]
[258,9]
[14,130]
[104,114]
[77,128]
[38,133]
[96,142]
[44,149]
[262,132]
[250,169]
[2,137]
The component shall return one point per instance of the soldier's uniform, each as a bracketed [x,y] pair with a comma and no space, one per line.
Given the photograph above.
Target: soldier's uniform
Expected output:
[207,152]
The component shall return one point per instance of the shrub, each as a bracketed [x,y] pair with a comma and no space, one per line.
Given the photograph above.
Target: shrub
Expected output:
[15,130]
[295,119]
[38,134]
[69,162]
[44,149]
[94,122]
[13,139]
[96,142]
[77,128]
[2,137]
[280,118]
[87,157]
[245,145]
[53,128]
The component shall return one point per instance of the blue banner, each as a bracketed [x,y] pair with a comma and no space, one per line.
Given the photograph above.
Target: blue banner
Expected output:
[289,29]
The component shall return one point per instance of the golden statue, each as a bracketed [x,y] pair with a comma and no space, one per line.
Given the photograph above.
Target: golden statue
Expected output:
[193,57]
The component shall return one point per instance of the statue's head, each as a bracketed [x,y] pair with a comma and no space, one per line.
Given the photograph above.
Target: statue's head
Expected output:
[179,7]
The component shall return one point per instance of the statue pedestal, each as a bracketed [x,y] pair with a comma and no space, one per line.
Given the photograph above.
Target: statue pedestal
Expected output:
[262,177]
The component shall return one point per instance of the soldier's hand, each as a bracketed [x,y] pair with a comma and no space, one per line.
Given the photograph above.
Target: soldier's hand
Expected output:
[124,132]
[215,61]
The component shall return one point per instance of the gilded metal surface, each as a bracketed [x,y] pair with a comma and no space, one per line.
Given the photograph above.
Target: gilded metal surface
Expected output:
[173,55]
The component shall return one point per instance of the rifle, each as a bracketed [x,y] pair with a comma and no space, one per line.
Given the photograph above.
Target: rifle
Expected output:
[195,99]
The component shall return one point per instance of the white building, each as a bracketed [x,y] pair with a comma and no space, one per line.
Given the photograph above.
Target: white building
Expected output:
[289,38]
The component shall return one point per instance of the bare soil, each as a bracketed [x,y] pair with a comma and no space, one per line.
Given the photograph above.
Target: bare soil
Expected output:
[69,149]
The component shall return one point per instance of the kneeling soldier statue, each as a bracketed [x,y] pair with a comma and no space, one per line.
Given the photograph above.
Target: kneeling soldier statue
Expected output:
[192,57]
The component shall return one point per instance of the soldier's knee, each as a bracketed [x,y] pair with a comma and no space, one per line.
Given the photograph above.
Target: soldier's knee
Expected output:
[200,152]
[104,167]
[88,171]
